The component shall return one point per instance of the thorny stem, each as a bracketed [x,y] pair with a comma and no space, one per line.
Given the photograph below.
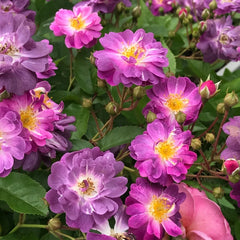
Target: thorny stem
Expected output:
[209,128]
[204,158]
[96,121]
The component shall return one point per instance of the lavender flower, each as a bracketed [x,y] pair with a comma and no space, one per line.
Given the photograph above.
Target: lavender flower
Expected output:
[235,193]
[220,40]
[131,58]
[174,95]
[105,6]
[156,5]
[81,26]
[224,7]
[21,58]
[84,186]
[162,152]
[12,144]
[153,210]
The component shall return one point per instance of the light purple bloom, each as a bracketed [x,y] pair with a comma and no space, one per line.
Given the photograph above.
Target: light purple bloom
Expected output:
[156,5]
[224,6]
[117,233]
[84,186]
[81,26]
[131,58]
[153,210]
[235,193]
[172,96]
[105,6]
[220,40]
[232,128]
[12,144]
[162,152]
[20,57]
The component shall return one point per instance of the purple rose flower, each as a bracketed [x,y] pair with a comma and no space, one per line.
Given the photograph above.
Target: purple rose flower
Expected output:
[153,210]
[84,186]
[131,58]
[81,26]
[162,152]
[12,144]
[21,58]
[172,96]
[220,40]
[156,5]
[105,6]
[224,7]
[117,233]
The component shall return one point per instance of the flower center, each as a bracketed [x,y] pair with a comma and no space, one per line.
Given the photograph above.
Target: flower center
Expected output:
[7,45]
[166,150]
[160,2]
[77,23]
[133,51]
[86,187]
[224,39]
[159,208]
[175,102]
[28,118]
[124,236]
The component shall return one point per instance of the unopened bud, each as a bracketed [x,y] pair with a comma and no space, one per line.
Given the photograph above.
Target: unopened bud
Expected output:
[231,99]
[202,27]
[208,89]
[192,45]
[185,21]
[195,33]
[87,103]
[190,17]
[101,83]
[180,117]
[231,166]
[213,5]
[120,7]
[172,34]
[54,224]
[136,13]
[221,108]
[161,10]
[210,138]
[234,178]
[218,192]
[139,92]
[151,117]
[196,143]
[205,14]
[112,108]
[92,59]
[182,13]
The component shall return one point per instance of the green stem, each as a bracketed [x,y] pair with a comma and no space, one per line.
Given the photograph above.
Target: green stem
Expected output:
[71,78]
[33,226]
[129,169]
[64,235]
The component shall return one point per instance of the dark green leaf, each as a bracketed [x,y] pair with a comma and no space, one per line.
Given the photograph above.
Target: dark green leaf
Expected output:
[119,136]
[23,194]
[224,202]
[80,144]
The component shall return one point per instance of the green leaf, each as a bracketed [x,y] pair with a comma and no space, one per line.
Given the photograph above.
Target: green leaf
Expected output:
[119,136]
[171,59]
[237,229]
[224,202]
[84,71]
[22,194]
[80,144]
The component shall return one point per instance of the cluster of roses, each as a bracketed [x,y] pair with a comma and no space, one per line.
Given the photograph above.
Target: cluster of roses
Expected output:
[84,184]
[32,126]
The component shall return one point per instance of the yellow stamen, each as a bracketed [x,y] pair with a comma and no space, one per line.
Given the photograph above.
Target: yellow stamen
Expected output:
[132,51]
[86,186]
[176,103]
[159,208]
[28,118]
[78,23]
[166,150]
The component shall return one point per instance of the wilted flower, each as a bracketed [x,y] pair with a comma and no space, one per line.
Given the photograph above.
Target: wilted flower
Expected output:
[220,40]
[131,58]
[162,152]
[84,186]
[174,95]
[105,6]
[201,217]
[21,58]
[153,210]
[12,144]
[81,26]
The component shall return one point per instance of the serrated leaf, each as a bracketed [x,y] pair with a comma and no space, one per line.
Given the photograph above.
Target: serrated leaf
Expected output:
[23,194]
[119,136]
[79,144]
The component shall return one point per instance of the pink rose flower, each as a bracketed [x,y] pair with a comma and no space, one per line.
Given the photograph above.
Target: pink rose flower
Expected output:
[202,218]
